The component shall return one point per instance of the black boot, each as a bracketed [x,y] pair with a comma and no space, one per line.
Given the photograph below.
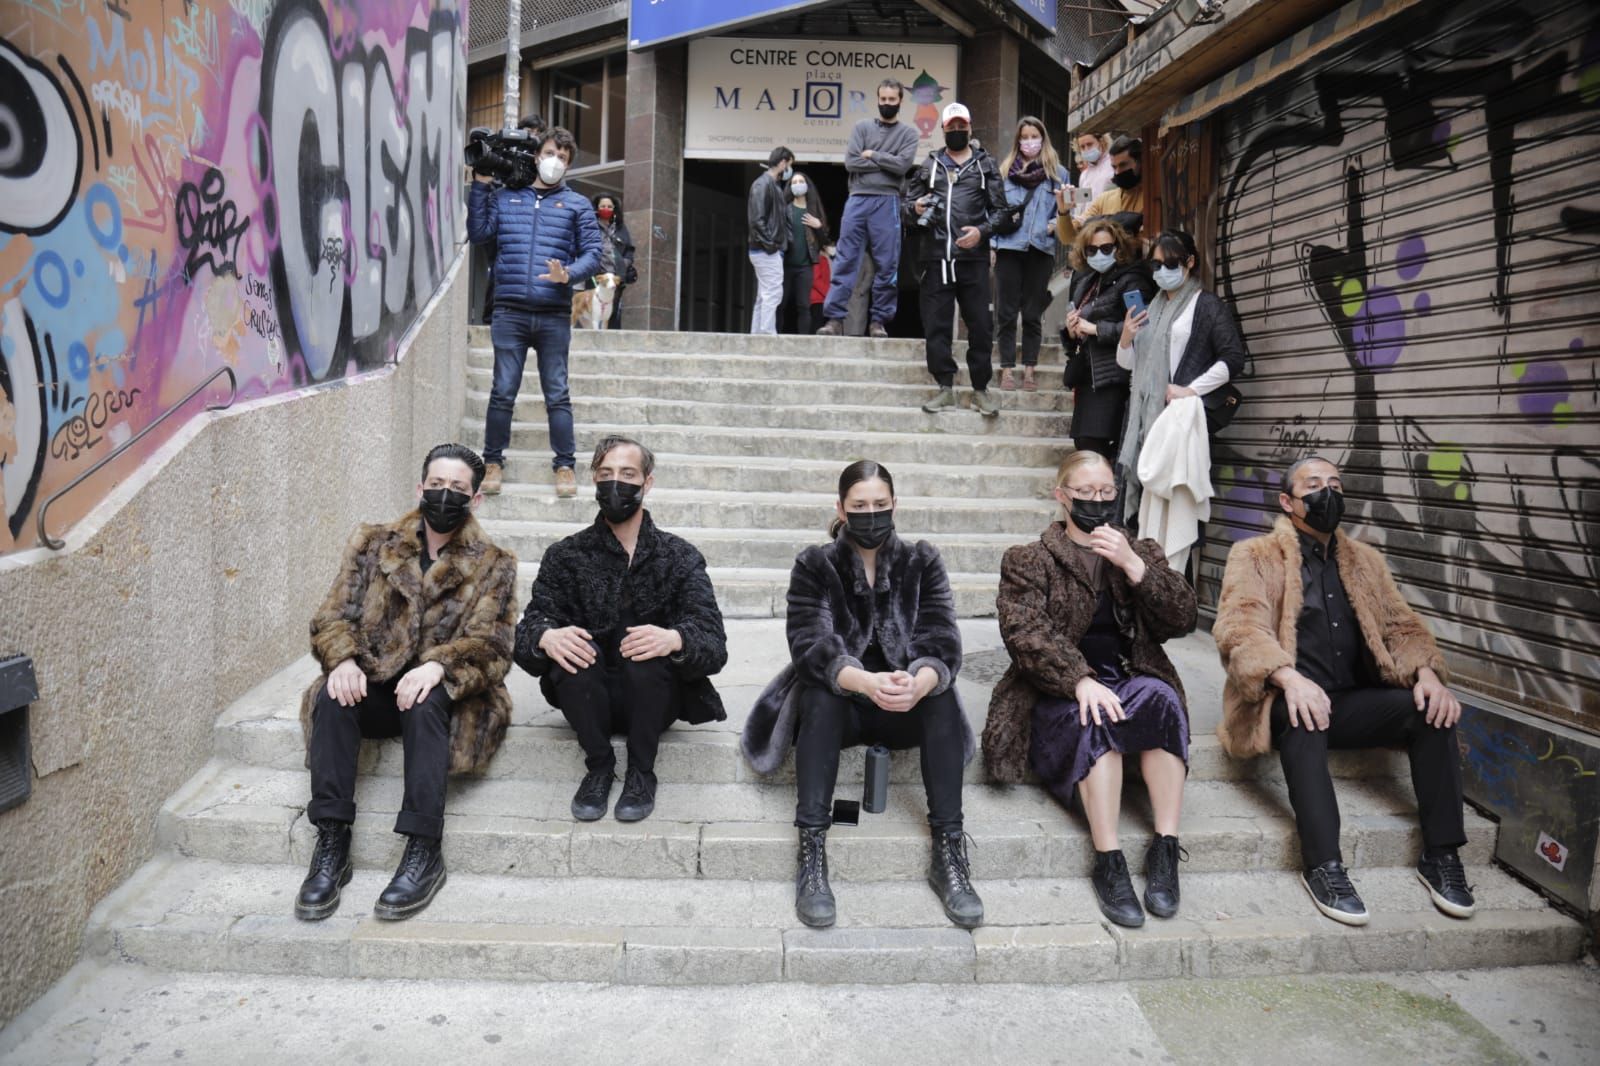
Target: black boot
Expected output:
[1113,889]
[951,879]
[330,871]
[638,797]
[415,883]
[813,898]
[1161,876]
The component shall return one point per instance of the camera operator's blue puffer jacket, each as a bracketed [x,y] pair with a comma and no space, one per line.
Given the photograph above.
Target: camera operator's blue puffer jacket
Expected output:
[530,226]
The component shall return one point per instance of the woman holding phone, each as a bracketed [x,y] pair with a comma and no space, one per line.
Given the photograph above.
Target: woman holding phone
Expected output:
[1107,265]
[1084,612]
[875,651]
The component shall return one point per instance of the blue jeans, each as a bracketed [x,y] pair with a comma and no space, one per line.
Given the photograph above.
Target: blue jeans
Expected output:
[513,332]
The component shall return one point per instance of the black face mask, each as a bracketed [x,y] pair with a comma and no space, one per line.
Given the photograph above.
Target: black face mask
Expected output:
[618,500]
[445,510]
[888,111]
[1324,508]
[1125,179]
[1090,515]
[956,140]
[869,529]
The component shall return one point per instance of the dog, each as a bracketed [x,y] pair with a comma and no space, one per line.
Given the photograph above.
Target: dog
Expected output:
[591,307]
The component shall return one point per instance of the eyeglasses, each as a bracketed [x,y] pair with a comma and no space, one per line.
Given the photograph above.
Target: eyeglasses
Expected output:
[1106,249]
[1108,492]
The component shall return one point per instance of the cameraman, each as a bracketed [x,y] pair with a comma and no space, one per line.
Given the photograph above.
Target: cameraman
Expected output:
[534,124]
[546,238]
[956,199]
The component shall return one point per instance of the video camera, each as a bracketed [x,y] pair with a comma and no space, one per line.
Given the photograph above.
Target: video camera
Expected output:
[510,156]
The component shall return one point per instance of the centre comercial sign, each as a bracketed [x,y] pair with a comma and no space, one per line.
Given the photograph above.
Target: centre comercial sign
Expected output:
[748,95]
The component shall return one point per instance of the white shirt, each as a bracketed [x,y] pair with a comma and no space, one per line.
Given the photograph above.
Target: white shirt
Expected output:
[1215,376]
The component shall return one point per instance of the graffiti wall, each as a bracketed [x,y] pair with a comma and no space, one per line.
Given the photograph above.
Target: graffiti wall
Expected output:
[268,185]
[1410,231]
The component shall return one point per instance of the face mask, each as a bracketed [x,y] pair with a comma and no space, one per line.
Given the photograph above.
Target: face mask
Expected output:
[956,140]
[1125,179]
[604,214]
[788,172]
[1324,508]
[1091,156]
[888,111]
[1168,278]
[799,189]
[618,500]
[1090,515]
[445,510]
[869,528]
[1031,147]
[552,168]
[1102,261]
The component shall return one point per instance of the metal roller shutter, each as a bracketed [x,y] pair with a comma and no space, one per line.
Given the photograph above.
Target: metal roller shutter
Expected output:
[1409,230]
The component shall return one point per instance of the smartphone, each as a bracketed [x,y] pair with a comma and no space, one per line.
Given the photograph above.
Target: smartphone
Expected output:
[1133,300]
[1082,195]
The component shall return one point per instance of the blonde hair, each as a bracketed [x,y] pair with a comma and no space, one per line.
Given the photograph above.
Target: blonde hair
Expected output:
[1047,152]
[1075,462]
[1128,246]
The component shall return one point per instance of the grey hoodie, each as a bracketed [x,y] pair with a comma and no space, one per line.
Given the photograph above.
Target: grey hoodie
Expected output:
[894,152]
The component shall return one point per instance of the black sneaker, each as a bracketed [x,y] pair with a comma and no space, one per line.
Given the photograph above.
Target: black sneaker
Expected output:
[1334,895]
[594,794]
[1161,876]
[1447,883]
[638,797]
[1113,889]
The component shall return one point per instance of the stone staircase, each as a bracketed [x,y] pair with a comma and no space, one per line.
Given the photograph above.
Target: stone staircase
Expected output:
[701,892]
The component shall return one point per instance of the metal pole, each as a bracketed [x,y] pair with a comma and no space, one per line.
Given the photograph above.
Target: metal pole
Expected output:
[513,62]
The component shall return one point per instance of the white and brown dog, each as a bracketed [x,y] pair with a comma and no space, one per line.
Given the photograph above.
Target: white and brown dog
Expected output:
[591,307]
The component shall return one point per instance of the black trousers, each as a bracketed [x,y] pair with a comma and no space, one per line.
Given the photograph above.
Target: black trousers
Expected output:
[945,286]
[1021,284]
[617,695]
[830,723]
[1103,445]
[424,730]
[1368,718]
[794,314]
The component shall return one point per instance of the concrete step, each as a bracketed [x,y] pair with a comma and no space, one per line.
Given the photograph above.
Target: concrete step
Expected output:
[185,916]
[771,549]
[530,471]
[798,348]
[237,812]
[756,386]
[691,508]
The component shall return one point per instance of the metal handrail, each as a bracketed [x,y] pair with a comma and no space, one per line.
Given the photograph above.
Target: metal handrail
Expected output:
[233,392]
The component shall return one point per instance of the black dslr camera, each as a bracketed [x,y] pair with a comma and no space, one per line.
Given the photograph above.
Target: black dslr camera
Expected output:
[509,156]
[935,203]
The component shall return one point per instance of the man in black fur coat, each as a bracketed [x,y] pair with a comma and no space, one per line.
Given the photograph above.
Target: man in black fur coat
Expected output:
[623,632]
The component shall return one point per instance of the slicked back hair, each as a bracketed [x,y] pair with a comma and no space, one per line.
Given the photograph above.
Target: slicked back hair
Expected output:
[647,458]
[456,451]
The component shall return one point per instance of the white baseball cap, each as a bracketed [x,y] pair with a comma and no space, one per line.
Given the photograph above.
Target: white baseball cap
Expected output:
[955,111]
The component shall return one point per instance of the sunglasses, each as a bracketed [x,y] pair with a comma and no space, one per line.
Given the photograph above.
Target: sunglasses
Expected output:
[1103,248]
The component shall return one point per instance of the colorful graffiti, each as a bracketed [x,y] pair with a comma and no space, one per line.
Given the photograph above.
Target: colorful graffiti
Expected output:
[1407,234]
[264,185]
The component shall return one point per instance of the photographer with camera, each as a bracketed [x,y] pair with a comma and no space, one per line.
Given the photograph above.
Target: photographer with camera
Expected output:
[546,238]
[956,200]
[535,125]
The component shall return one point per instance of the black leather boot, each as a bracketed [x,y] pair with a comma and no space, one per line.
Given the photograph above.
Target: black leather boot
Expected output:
[330,871]
[813,898]
[1161,876]
[951,879]
[1113,889]
[415,883]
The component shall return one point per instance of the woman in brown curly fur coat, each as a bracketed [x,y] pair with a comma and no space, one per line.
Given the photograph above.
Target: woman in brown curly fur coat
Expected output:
[1083,613]
[415,641]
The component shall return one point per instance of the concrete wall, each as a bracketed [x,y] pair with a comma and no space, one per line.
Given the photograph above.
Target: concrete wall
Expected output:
[191,582]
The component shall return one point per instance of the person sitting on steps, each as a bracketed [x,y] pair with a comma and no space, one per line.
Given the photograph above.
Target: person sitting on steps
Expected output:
[1322,652]
[875,652]
[414,640]
[624,633]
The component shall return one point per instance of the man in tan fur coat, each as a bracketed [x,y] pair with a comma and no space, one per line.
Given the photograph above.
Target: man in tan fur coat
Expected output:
[1322,652]
[415,641]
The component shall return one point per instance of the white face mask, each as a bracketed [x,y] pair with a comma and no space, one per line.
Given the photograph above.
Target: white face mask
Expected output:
[798,189]
[1169,278]
[1030,146]
[1102,261]
[1091,156]
[552,168]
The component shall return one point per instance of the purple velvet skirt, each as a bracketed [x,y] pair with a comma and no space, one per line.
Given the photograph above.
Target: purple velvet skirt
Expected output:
[1063,752]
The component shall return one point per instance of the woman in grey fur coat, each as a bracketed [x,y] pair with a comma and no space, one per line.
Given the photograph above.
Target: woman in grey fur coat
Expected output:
[875,649]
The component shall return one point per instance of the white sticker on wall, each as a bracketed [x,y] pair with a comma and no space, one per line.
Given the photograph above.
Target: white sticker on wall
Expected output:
[1552,851]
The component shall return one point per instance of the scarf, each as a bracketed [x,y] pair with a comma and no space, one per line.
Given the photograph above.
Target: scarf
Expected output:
[1027,174]
[1152,372]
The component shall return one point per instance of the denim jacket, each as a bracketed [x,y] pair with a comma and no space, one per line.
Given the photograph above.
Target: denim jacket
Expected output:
[1038,222]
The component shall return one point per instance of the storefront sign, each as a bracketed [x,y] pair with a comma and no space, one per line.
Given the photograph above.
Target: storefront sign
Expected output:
[749,95]
[653,22]
[1040,12]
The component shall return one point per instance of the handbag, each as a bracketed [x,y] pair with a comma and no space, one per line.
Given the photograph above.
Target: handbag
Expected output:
[1012,221]
[1221,404]
[1076,372]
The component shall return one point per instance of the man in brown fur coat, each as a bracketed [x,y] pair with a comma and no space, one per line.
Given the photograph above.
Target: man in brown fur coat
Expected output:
[415,641]
[1323,652]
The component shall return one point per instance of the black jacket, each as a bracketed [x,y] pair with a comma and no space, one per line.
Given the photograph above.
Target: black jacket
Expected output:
[972,194]
[585,580]
[768,215]
[1107,312]
[622,252]
[1214,336]
[833,617]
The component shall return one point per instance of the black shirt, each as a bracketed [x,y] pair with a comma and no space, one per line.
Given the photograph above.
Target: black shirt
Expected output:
[423,558]
[1329,647]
